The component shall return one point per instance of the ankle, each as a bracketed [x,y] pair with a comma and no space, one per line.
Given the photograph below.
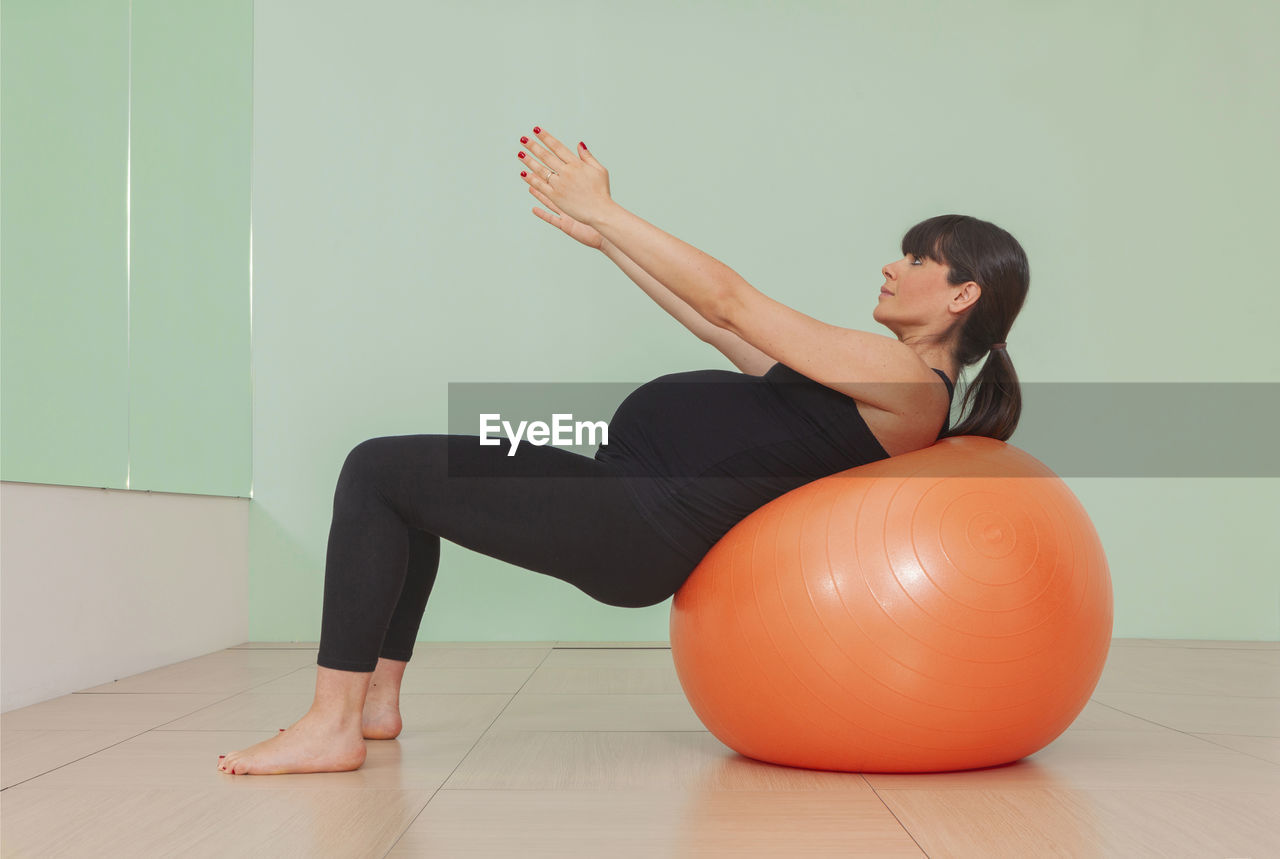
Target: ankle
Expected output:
[386,679]
[335,717]
[388,671]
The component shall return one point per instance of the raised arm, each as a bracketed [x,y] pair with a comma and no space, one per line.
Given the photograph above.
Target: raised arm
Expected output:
[740,353]
[855,363]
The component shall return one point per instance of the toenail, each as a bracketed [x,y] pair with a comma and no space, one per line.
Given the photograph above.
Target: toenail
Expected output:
[220,757]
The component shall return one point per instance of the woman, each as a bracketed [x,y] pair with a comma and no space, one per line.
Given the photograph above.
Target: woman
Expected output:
[684,463]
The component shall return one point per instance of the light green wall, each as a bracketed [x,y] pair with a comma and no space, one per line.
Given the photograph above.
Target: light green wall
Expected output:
[126,244]
[1124,145]
[64,314]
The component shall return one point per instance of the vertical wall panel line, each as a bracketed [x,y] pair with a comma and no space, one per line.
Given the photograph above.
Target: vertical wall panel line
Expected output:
[252,39]
[128,263]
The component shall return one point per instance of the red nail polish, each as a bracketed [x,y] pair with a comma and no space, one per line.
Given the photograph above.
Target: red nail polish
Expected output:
[523,174]
[583,145]
[521,154]
[537,130]
[524,140]
[220,757]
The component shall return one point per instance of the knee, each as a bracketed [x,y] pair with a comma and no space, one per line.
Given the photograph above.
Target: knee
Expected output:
[364,463]
[361,457]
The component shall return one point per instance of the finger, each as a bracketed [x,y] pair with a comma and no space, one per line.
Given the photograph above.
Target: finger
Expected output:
[588,157]
[542,213]
[535,175]
[548,157]
[558,223]
[555,145]
[546,201]
[534,168]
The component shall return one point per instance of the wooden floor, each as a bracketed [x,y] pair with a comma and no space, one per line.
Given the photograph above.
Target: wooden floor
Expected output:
[572,749]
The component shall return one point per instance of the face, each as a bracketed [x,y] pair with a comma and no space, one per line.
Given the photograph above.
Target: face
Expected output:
[915,293]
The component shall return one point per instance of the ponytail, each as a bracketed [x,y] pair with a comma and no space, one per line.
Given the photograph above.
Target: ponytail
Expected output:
[994,399]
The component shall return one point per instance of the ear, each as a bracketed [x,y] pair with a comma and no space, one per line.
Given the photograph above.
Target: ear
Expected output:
[968,295]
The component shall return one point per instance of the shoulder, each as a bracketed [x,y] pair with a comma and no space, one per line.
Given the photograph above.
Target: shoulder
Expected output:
[871,368]
[917,415]
[920,389]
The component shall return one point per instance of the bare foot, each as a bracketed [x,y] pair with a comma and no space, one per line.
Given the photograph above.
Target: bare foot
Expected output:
[381,719]
[311,745]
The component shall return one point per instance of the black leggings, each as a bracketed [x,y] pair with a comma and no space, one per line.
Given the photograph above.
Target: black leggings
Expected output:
[545,509]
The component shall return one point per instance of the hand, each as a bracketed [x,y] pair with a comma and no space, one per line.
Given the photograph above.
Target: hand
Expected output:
[575,185]
[589,236]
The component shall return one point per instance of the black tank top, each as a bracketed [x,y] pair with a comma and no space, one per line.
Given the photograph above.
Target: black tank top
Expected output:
[700,450]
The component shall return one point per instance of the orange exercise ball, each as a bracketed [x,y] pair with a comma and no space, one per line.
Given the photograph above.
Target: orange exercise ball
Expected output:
[945,609]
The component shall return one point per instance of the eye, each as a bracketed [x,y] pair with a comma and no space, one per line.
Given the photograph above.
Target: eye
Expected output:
[917,259]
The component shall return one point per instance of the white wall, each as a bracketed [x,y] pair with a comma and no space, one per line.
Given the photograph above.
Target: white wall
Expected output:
[99,584]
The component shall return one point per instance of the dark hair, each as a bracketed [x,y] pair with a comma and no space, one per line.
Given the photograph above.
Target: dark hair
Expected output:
[982,252]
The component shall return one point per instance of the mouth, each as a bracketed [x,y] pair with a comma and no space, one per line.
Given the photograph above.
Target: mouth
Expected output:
[884,291]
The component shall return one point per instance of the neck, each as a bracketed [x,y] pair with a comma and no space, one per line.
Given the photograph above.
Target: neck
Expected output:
[939,358]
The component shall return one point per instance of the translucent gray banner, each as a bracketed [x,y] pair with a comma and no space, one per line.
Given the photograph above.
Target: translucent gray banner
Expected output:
[1077,429]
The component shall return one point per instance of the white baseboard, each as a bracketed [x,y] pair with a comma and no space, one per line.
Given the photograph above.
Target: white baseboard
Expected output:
[99,584]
